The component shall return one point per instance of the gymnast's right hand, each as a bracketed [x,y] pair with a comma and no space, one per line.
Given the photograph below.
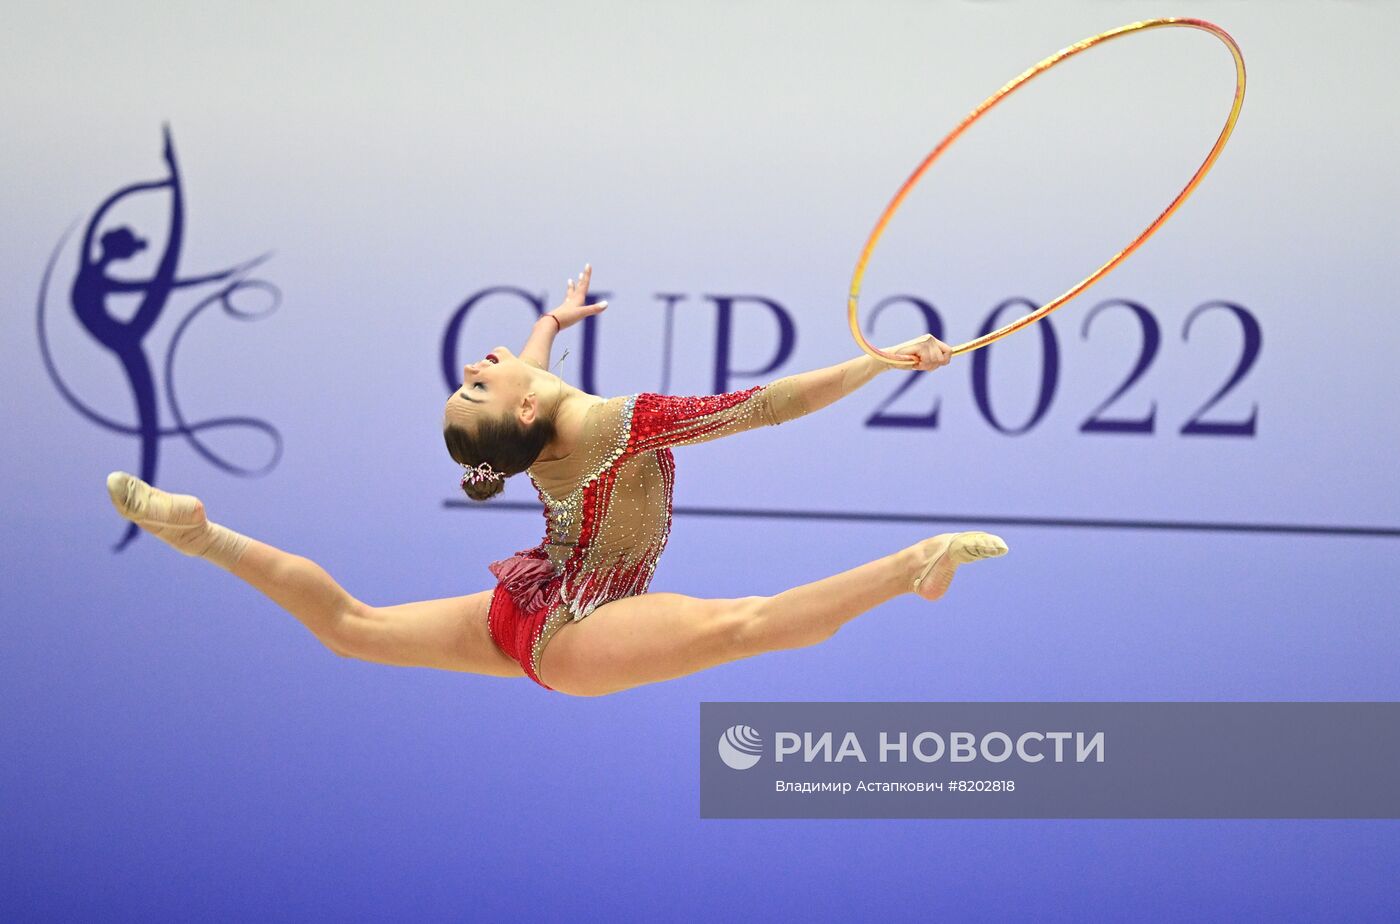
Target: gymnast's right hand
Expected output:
[930,353]
[572,309]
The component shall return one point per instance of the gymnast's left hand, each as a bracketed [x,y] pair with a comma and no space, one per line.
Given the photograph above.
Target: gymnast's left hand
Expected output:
[929,352]
[572,309]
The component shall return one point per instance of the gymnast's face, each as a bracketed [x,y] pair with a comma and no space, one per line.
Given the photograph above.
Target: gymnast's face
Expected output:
[498,384]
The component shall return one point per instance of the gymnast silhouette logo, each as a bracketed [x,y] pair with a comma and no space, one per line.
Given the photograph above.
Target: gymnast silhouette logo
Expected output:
[96,287]
[740,747]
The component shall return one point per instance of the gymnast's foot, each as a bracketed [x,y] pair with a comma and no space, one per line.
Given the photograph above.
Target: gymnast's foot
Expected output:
[935,560]
[178,519]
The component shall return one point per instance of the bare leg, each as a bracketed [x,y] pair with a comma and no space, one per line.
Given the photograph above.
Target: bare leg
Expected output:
[660,636]
[448,633]
[302,588]
[812,613]
[297,584]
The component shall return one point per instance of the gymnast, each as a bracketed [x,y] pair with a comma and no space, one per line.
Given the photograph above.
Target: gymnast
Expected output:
[574,613]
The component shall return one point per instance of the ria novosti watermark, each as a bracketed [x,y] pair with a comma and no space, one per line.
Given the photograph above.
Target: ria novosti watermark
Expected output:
[923,747]
[1050,760]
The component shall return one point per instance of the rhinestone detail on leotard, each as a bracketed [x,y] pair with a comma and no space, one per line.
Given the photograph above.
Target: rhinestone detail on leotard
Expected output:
[607,505]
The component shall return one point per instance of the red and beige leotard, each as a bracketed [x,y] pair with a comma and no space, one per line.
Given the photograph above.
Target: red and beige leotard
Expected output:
[607,507]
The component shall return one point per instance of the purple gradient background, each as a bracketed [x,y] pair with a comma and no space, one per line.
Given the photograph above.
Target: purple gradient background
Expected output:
[177,747]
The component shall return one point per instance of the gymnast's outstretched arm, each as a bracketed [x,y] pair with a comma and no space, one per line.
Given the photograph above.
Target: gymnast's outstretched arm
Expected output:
[821,387]
[536,349]
[661,421]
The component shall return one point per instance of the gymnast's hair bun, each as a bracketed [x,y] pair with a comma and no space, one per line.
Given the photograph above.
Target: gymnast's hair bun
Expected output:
[484,489]
[493,449]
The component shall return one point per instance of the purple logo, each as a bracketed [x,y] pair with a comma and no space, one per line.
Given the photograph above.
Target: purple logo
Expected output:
[99,285]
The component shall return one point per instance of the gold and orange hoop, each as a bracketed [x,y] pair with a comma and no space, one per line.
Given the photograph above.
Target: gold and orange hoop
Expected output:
[998,96]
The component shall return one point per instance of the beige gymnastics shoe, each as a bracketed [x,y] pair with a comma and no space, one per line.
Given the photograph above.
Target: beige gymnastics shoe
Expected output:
[178,519]
[959,549]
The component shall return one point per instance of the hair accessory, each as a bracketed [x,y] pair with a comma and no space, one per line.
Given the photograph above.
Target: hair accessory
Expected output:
[471,474]
[558,327]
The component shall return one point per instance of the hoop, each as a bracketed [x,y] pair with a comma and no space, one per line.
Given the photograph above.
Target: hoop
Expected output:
[897,359]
